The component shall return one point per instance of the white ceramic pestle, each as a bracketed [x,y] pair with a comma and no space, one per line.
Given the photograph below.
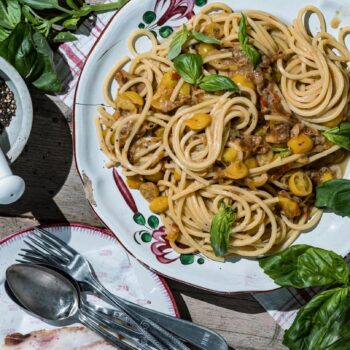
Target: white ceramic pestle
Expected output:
[11,186]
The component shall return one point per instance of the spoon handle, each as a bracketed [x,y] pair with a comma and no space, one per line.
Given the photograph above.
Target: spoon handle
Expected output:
[95,326]
[202,337]
[162,336]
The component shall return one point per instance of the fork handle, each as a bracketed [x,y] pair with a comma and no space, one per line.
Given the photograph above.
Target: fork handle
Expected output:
[195,334]
[159,338]
[202,337]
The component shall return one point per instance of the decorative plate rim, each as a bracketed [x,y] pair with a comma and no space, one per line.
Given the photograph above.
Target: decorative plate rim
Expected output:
[155,270]
[106,232]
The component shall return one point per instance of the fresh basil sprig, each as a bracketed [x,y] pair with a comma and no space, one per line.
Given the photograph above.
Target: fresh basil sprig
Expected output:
[340,135]
[182,36]
[334,195]
[221,228]
[29,27]
[324,322]
[302,266]
[250,51]
[190,67]
[30,53]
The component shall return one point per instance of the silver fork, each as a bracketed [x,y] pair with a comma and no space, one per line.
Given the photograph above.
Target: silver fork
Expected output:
[49,249]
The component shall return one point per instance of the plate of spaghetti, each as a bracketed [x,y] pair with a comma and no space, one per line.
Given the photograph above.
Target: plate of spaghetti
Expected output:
[209,136]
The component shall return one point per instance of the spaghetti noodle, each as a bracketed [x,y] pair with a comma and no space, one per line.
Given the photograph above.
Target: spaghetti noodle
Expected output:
[261,151]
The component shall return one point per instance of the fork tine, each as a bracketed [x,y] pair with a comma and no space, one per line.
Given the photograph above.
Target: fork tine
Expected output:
[30,256]
[54,257]
[49,249]
[57,240]
[53,244]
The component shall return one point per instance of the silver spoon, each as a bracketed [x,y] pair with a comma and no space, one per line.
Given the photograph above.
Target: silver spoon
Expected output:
[55,299]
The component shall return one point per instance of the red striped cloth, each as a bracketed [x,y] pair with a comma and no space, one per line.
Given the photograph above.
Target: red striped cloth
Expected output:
[282,304]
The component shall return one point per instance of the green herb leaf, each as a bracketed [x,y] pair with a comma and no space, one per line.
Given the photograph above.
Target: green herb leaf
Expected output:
[205,38]
[63,37]
[334,195]
[323,323]
[71,23]
[72,4]
[221,228]
[302,266]
[212,83]
[189,66]
[250,51]
[340,135]
[10,14]
[179,40]
[283,152]
[4,33]
[28,51]
[88,8]
[44,5]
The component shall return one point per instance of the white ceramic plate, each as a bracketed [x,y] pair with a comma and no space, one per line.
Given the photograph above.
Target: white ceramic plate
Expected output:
[146,240]
[116,269]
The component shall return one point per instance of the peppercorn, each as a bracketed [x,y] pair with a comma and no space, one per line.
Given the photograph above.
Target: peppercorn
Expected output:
[7,105]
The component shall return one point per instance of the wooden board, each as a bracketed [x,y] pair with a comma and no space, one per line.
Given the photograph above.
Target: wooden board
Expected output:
[55,194]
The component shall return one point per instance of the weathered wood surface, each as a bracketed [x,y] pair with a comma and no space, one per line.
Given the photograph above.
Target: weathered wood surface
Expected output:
[55,194]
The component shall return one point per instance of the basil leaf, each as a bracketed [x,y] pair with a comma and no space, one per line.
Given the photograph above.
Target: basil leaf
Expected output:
[4,33]
[63,37]
[205,38]
[179,40]
[221,228]
[28,51]
[10,14]
[250,51]
[72,4]
[340,135]
[322,323]
[189,66]
[302,266]
[334,195]
[212,83]
[88,8]
[43,5]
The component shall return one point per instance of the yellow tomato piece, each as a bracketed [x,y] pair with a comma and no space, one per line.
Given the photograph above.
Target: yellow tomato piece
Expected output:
[149,191]
[155,177]
[334,122]
[251,163]
[237,170]
[134,97]
[229,155]
[177,175]
[198,121]
[169,79]
[204,49]
[214,30]
[301,144]
[326,176]
[241,80]
[159,132]
[159,205]
[290,208]
[300,184]
[185,90]
[123,102]
[134,182]
[257,181]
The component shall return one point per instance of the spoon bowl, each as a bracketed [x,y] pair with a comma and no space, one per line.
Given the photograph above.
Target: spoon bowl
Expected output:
[44,292]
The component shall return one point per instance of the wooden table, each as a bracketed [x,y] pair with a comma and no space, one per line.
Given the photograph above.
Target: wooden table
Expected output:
[55,194]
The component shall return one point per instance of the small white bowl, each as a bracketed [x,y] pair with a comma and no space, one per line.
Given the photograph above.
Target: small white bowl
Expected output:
[15,136]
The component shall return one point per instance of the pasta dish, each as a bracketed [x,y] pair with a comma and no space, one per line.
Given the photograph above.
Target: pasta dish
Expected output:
[224,127]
